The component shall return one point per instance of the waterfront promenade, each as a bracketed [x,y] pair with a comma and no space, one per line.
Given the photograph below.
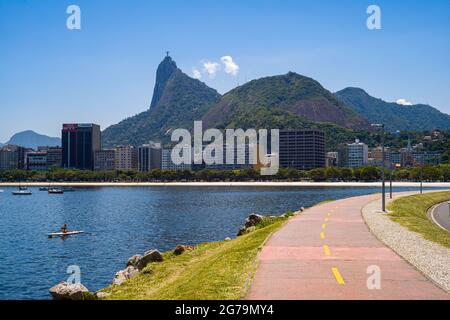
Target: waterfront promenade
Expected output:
[328,252]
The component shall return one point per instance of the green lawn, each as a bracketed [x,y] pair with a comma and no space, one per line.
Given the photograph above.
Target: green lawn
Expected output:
[411,212]
[211,271]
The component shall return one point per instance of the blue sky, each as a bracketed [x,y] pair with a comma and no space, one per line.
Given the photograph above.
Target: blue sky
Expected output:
[106,71]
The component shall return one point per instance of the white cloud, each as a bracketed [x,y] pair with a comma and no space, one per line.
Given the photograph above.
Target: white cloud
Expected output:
[196,73]
[230,66]
[404,102]
[211,68]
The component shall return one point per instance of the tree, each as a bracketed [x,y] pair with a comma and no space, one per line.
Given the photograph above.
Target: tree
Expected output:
[332,173]
[317,174]
[369,174]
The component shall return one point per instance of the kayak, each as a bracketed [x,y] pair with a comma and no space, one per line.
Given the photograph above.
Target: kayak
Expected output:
[63,234]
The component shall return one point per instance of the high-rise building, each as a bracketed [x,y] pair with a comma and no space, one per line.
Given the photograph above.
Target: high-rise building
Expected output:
[54,155]
[331,159]
[358,154]
[168,164]
[241,157]
[126,158]
[79,142]
[411,158]
[105,160]
[376,157]
[427,157]
[376,154]
[395,158]
[302,149]
[37,161]
[149,157]
[12,157]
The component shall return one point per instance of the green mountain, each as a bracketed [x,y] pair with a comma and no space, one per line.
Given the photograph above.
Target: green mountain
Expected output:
[419,117]
[177,101]
[286,101]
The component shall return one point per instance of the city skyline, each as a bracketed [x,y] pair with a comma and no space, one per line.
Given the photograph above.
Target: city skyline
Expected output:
[104,72]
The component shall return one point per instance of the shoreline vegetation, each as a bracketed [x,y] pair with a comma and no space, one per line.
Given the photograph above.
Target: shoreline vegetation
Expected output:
[221,270]
[412,212]
[437,174]
[298,184]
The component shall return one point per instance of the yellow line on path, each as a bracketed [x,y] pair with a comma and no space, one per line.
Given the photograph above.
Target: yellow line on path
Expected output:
[324,226]
[327,251]
[322,235]
[337,275]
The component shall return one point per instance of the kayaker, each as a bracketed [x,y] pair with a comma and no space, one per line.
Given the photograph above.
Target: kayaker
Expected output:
[64,228]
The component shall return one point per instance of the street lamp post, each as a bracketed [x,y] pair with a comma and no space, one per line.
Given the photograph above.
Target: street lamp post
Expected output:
[383,182]
[421,179]
[390,183]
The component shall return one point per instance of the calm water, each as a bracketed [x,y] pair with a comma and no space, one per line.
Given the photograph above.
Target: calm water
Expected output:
[122,222]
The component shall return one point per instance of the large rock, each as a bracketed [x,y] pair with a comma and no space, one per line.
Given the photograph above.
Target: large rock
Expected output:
[102,295]
[149,257]
[133,261]
[124,275]
[179,250]
[69,291]
[242,231]
[253,220]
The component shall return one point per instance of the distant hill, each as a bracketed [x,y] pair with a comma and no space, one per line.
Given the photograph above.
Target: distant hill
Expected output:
[285,101]
[419,117]
[31,139]
[177,101]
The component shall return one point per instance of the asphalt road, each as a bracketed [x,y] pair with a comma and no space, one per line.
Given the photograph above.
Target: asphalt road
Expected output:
[441,215]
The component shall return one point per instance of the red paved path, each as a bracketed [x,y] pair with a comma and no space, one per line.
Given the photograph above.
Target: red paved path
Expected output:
[295,265]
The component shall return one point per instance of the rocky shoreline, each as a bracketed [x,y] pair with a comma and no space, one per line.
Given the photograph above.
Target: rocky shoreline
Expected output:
[142,264]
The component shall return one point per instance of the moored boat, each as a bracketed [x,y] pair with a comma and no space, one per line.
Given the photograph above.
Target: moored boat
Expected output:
[23,191]
[55,191]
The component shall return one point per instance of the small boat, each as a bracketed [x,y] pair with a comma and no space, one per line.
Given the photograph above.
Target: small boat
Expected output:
[43,188]
[23,191]
[1,191]
[64,234]
[55,191]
